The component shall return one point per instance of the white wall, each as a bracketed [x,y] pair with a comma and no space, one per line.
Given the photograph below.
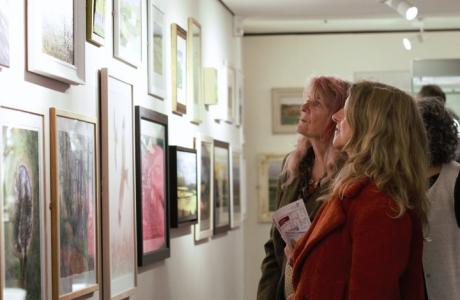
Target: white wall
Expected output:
[289,61]
[209,270]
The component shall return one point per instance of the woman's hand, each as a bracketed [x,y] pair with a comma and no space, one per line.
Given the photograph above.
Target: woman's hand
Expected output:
[288,251]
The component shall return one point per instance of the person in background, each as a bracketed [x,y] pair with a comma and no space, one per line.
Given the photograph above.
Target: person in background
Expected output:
[432,90]
[366,241]
[305,174]
[441,260]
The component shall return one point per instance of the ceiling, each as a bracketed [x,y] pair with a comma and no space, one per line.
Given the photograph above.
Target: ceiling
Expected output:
[281,16]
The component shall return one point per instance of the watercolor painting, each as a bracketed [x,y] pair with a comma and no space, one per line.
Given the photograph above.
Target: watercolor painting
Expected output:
[156,48]
[99,17]
[186,186]
[22,211]
[4,34]
[153,186]
[236,188]
[127,33]
[58,30]
[77,204]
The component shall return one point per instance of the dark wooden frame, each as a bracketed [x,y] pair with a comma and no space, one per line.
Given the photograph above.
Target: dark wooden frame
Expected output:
[175,221]
[142,113]
[226,227]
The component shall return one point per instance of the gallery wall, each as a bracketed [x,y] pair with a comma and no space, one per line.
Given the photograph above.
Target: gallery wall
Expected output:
[289,61]
[213,268]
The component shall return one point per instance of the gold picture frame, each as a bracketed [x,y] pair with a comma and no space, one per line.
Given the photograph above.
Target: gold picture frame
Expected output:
[269,169]
[96,18]
[179,69]
[74,178]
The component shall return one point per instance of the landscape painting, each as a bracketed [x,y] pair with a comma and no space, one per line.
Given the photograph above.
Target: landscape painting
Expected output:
[151,185]
[221,187]
[77,205]
[269,170]
[156,48]
[4,34]
[23,206]
[187,209]
[58,30]
[99,18]
[127,31]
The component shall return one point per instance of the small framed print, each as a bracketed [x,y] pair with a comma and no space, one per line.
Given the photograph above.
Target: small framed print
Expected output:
[152,186]
[286,104]
[74,205]
[23,239]
[269,170]
[236,189]
[156,51]
[204,150]
[127,31]
[194,71]
[231,95]
[221,168]
[118,191]
[56,39]
[184,186]
[96,20]
[179,69]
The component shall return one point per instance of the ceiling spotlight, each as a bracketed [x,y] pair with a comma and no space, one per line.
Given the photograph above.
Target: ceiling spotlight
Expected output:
[407,44]
[404,8]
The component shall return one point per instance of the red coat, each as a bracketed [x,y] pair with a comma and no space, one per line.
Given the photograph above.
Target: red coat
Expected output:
[357,250]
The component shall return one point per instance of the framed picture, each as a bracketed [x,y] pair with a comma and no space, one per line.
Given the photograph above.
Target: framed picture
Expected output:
[239,101]
[221,187]
[151,186]
[4,33]
[127,31]
[118,205]
[156,51]
[194,71]
[210,86]
[56,39]
[179,69]
[96,19]
[184,186]
[269,170]
[203,146]
[23,266]
[236,189]
[286,104]
[231,95]
[74,205]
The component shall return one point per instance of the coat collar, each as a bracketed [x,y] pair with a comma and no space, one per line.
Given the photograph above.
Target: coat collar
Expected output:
[331,217]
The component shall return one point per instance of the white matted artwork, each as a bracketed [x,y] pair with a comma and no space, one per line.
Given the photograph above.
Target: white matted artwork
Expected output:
[156,51]
[23,238]
[286,104]
[127,31]
[4,34]
[204,150]
[56,39]
[118,201]
[179,69]
[269,169]
[194,71]
[230,103]
[400,78]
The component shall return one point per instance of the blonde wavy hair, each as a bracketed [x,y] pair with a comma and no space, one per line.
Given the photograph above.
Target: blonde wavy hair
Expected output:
[333,91]
[388,145]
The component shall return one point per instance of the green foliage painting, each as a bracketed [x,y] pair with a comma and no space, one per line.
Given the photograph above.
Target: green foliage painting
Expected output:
[21,215]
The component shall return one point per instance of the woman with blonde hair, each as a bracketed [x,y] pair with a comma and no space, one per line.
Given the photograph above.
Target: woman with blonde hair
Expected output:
[305,175]
[366,241]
